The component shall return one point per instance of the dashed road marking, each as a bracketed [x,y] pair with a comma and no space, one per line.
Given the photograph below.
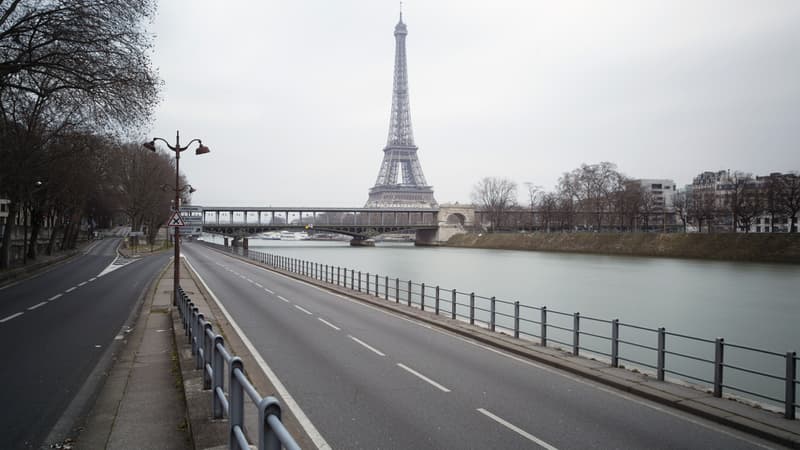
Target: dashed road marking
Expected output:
[82,284]
[71,289]
[259,285]
[282,298]
[517,430]
[268,291]
[6,319]
[303,309]
[92,279]
[367,346]
[36,306]
[54,297]
[423,377]
[329,324]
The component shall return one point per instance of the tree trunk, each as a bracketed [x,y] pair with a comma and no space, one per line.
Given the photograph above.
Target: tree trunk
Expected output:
[36,225]
[8,231]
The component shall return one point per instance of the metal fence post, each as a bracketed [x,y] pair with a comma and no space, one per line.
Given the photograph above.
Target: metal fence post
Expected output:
[267,437]
[338,276]
[386,288]
[719,345]
[516,319]
[437,301]
[472,308]
[409,292]
[576,333]
[198,339]
[236,401]
[352,276]
[377,287]
[492,313]
[367,283]
[359,281]
[217,378]
[662,338]
[791,387]
[543,333]
[615,343]
[422,297]
[207,355]
[397,290]
[453,305]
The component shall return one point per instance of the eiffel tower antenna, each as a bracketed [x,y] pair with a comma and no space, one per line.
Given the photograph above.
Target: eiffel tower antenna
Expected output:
[400,181]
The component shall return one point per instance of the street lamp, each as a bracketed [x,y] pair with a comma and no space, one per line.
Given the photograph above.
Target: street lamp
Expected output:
[201,149]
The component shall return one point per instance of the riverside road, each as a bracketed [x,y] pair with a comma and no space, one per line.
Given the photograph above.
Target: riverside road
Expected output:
[366,378]
[55,329]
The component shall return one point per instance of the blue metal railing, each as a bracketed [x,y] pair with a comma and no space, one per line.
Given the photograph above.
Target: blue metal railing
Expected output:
[574,332]
[212,358]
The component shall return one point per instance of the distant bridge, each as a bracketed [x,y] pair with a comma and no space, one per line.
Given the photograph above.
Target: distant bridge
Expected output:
[361,223]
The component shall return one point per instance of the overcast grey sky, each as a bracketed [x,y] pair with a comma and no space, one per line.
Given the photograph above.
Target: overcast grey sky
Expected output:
[293,97]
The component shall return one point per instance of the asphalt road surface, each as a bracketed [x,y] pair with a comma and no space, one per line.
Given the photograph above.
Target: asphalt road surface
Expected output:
[54,329]
[366,378]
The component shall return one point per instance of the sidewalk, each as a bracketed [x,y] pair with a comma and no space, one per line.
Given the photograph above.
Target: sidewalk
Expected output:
[141,404]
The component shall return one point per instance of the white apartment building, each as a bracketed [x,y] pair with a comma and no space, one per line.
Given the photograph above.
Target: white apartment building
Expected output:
[663,191]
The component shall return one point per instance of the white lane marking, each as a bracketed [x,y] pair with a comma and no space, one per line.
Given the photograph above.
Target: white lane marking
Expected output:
[303,309]
[290,402]
[249,280]
[367,346]
[10,317]
[119,337]
[423,377]
[71,289]
[271,292]
[242,277]
[553,370]
[282,298]
[329,324]
[82,284]
[92,279]
[37,305]
[517,430]
[54,297]
[259,285]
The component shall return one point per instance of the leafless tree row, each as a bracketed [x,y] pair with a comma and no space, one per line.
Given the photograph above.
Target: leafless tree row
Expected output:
[75,79]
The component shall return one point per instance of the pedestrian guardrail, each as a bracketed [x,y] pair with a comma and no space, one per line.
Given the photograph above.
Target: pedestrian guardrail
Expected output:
[212,358]
[714,363]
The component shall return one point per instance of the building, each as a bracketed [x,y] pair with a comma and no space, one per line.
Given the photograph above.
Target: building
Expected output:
[662,192]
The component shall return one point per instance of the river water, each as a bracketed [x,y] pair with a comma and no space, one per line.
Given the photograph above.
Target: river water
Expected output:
[751,304]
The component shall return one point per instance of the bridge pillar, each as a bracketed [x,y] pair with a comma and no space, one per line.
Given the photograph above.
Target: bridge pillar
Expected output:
[361,241]
[245,243]
[226,242]
[237,242]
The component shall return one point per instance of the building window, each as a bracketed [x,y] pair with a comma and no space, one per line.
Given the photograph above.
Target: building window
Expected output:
[758,229]
[655,186]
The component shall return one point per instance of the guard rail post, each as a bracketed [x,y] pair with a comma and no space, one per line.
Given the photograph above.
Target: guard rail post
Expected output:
[359,281]
[791,386]
[193,328]
[207,355]
[719,350]
[218,378]
[236,401]
[267,437]
[492,313]
[338,276]
[377,286]
[386,288]
[352,276]
[367,283]
[453,303]
[615,343]
[576,333]
[409,292]
[422,297]
[472,308]
[543,323]
[436,308]
[516,319]
[397,290]
[662,337]
[198,354]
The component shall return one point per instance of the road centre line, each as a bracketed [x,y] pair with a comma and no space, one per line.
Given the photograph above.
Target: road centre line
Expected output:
[303,309]
[267,290]
[552,370]
[329,324]
[10,317]
[282,298]
[291,403]
[374,350]
[71,289]
[92,279]
[423,377]
[54,297]
[82,284]
[259,285]
[517,430]
[37,305]
[249,280]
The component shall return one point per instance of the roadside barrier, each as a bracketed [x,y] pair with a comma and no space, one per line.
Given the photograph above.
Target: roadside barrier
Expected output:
[212,358]
[715,364]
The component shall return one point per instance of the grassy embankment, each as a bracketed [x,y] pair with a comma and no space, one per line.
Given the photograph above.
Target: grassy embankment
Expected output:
[762,247]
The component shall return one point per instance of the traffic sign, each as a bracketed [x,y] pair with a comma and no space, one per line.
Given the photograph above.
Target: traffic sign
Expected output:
[176,220]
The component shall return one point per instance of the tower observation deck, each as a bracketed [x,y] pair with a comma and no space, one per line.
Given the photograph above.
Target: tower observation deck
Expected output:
[400,182]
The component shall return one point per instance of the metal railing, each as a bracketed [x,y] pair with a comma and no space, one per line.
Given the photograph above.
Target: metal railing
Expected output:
[212,358]
[718,364]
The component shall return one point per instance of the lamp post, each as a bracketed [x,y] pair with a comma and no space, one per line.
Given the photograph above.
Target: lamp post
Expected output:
[201,149]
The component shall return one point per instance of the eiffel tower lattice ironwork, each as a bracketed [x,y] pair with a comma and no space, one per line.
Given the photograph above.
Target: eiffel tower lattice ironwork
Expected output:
[400,180]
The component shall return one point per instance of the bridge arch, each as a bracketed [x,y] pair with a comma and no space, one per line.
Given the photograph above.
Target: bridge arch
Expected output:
[456,219]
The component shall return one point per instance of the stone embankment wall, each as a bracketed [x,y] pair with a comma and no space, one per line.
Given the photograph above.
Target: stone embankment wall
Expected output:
[762,247]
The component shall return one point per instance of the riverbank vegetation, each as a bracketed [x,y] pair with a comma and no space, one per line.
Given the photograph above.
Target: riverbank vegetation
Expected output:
[762,247]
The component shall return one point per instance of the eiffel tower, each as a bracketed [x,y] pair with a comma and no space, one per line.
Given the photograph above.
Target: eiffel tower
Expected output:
[400,182]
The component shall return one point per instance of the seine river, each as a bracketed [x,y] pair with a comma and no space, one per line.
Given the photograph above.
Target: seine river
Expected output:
[751,304]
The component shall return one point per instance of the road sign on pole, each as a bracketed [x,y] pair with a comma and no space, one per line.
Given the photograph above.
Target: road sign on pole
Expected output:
[176,220]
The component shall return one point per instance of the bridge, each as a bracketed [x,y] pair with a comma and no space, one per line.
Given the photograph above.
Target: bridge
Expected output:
[431,225]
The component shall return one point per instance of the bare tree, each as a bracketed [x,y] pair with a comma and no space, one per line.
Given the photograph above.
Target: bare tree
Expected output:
[495,195]
[790,198]
[681,203]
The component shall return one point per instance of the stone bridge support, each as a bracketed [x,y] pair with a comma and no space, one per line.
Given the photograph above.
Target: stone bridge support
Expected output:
[452,219]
